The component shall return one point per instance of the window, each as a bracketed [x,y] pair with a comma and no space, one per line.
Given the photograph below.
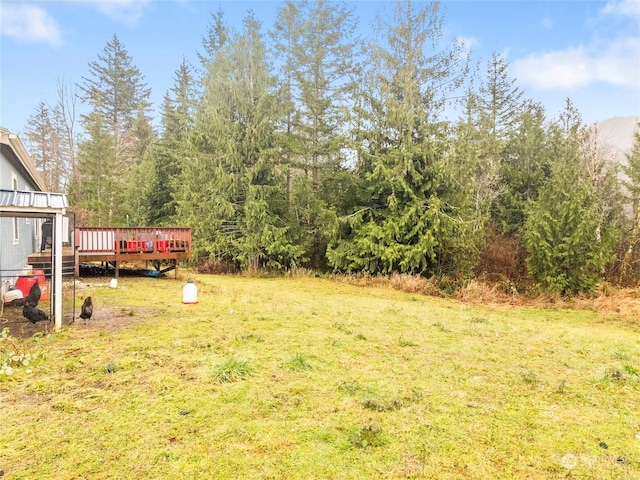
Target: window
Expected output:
[27,220]
[16,236]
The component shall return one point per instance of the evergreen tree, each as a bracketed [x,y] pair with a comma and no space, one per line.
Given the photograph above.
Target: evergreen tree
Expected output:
[524,169]
[315,42]
[231,190]
[567,243]
[115,88]
[418,217]
[42,143]
[118,96]
[217,37]
[97,189]
[157,175]
[499,100]
[632,187]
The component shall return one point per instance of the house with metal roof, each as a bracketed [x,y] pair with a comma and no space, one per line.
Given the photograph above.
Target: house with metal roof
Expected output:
[24,207]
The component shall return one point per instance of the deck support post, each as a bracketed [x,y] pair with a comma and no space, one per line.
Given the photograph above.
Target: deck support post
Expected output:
[57,272]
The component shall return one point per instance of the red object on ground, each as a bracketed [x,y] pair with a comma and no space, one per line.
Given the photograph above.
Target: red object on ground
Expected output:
[42,282]
[24,284]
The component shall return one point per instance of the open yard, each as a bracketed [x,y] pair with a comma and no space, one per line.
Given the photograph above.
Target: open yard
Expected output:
[303,378]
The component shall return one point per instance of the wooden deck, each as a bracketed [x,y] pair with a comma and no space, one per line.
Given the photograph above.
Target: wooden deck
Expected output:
[114,245]
[133,244]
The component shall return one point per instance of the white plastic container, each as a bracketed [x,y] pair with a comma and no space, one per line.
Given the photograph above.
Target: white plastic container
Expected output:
[113,283]
[12,295]
[190,292]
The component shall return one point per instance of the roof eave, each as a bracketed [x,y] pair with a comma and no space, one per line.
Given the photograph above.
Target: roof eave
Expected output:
[16,144]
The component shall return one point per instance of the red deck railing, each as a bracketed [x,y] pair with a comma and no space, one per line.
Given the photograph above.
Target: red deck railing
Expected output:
[133,240]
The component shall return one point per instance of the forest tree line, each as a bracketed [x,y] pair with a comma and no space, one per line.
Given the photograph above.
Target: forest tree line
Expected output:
[306,146]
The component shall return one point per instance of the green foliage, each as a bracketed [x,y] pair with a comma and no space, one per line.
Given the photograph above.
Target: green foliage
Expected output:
[369,435]
[119,133]
[524,169]
[632,168]
[569,242]
[12,356]
[314,40]
[231,190]
[299,363]
[115,88]
[416,217]
[232,370]
[632,186]
[100,185]
[303,150]
[156,177]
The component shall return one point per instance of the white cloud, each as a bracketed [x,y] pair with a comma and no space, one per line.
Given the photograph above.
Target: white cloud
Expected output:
[616,64]
[467,43]
[625,8]
[29,24]
[128,12]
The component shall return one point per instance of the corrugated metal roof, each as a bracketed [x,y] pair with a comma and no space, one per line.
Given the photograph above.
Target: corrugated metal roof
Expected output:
[32,200]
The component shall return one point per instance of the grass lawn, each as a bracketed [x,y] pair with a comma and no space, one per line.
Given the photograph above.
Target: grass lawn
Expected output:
[305,378]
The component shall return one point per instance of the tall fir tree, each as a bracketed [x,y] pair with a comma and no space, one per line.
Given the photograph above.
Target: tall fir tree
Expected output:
[567,243]
[231,190]
[315,42]
[415,217]
[117,94]
[115,88]
[157,175]
[43,144]
[95,191]
[629,269]
[525,167]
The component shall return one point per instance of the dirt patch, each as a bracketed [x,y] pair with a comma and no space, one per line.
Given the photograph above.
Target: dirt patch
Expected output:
[104,319]
[111,319]
[19,326]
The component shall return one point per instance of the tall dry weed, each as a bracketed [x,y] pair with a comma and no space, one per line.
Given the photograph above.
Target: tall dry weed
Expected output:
[405,282]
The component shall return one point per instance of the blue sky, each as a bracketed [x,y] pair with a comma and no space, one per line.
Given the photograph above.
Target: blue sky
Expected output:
[587,50]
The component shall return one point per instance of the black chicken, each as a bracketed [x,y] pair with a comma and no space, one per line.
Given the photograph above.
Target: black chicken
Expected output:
[34,314]
[87,309]
[34,295]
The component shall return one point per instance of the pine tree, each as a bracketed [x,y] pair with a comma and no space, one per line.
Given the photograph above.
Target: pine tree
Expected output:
[315,43]
[632,186]
[118,96]
[567,242]
[42,143]
[231,190]
[417,218]
[96,191]
[524,169]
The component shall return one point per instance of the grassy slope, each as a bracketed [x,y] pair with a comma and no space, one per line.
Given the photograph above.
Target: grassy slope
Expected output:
[345,382]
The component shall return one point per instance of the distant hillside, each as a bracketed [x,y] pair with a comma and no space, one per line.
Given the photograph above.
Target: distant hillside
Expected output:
[617,133]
